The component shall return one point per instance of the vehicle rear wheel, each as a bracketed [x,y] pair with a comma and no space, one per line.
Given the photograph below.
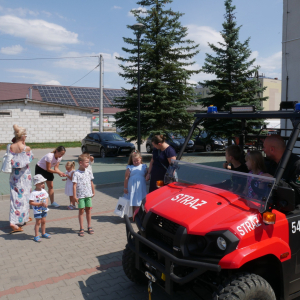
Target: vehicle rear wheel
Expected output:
[208,148]
[128,262]
[102,153]
[83,149]
[245,286]
[148,148]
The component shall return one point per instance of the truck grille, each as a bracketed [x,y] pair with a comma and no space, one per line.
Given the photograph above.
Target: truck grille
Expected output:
[166,224]
[163,230]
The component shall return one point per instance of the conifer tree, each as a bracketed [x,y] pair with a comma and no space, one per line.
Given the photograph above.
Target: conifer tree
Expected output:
[234,84]
[165,68]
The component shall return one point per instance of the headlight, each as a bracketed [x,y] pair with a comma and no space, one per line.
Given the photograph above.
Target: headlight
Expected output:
[217,142]
[111,146]
[221,243]
[190,143]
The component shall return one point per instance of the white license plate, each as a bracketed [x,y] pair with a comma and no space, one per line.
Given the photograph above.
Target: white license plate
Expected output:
[125,150]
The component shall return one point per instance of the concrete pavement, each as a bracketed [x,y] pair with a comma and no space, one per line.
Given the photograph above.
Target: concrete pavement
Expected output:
[68,266]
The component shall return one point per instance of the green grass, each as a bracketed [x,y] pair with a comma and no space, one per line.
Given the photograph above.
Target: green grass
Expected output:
[47,145]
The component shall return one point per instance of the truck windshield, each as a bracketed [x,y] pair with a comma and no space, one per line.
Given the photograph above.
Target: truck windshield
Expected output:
[254,189]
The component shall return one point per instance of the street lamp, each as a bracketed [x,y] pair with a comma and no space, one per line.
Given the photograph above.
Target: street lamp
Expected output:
[138,28]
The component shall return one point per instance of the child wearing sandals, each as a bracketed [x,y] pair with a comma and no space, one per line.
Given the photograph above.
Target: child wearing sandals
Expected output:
[38,199]
[70,167]
[83,191]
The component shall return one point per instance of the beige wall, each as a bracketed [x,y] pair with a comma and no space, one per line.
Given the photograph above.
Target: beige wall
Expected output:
[273,91]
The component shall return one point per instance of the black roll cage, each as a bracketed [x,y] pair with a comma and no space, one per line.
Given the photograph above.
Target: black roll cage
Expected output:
[294,116]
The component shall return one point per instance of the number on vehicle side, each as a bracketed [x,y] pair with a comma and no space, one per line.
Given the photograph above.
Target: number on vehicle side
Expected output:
[295,226]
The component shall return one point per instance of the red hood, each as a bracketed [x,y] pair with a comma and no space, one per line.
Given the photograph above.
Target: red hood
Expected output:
[199,208]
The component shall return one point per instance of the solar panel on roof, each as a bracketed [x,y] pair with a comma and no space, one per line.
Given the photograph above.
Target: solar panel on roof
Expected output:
[54,94]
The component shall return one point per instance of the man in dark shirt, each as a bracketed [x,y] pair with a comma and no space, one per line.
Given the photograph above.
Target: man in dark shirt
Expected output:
[274,147]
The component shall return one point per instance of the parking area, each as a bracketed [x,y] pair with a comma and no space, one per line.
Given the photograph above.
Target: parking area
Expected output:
[109,169]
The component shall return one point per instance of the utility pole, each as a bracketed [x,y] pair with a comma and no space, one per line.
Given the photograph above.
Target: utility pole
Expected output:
[101,94]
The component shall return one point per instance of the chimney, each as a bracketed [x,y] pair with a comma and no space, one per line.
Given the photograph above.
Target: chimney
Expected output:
[30,93]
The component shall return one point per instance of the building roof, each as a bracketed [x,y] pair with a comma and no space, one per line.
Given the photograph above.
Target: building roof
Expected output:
[84,97]
[26,100]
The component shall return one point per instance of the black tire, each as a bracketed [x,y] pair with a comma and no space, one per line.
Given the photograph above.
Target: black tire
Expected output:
[148,148]
[245,286]
[83,149]
[102,153]
[128,262]
[208,148]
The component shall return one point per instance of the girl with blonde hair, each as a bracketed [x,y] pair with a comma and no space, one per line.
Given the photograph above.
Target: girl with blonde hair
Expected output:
[70,167]
[135,182]
[19,180]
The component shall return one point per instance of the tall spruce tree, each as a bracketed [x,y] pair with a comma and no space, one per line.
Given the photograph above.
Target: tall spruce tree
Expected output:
[165,60]
[234,84]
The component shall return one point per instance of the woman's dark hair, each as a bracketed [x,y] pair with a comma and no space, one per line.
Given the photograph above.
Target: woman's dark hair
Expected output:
[158,139]
[59,149]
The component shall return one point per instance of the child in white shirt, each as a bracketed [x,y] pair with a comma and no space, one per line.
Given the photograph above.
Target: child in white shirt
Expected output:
[38,199]
[83,191]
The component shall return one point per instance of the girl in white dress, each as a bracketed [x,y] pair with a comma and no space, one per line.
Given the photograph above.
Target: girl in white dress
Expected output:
[70,167]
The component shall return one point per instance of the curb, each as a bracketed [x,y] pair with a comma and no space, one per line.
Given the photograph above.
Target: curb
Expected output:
[61,191]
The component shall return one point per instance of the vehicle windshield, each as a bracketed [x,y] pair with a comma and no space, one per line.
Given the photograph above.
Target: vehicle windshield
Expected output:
[111,137]
[254,189]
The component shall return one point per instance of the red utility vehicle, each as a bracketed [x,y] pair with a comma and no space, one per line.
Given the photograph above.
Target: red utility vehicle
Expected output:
[229,244]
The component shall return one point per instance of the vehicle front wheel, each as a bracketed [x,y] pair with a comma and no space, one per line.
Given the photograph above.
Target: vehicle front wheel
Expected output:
[148,149]
[102,153]
[208,148]
[83,149]
[128,262]
[245,286]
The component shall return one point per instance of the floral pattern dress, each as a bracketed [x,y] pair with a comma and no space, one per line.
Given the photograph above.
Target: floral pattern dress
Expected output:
[20,187]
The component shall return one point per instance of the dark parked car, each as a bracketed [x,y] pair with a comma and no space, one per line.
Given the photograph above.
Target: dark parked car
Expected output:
[106,144]
[205,141]
[174,140]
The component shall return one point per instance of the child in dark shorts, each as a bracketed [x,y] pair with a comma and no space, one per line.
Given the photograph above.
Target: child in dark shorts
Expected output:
[233,156]
[38,199]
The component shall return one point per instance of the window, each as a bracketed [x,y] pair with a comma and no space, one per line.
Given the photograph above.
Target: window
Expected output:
[4,113]
[51,114]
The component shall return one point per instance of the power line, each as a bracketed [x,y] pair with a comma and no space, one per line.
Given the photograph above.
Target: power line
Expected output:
[40,58]
[85,75]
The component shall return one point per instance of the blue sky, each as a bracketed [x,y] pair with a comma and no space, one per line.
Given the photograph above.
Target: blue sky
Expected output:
[33,29]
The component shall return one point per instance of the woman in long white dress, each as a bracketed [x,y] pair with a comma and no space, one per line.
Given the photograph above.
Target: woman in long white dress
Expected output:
[19,180]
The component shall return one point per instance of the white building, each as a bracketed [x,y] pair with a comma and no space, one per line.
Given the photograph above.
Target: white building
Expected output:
[44,121]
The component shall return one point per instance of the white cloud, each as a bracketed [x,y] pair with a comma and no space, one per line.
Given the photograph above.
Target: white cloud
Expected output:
[46,35]
[37,76]
[22,12]
[48,14]
[88,63]
[203,35]
[117,7]
[271,65]
[52,82]
[142,9]
[13,50]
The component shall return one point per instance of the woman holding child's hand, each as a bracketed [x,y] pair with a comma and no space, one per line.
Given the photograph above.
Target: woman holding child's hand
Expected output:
[47,166]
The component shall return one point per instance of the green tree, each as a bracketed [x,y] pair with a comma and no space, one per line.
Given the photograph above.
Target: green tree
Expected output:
[234,84]
[165,67]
